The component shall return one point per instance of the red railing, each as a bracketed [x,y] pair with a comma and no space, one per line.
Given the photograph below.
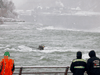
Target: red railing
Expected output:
[21,70]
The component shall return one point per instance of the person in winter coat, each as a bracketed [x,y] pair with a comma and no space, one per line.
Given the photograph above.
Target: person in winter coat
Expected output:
[93,64]
[7,66]
[78,66]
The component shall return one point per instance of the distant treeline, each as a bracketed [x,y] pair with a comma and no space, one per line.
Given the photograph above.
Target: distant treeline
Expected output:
[7,9]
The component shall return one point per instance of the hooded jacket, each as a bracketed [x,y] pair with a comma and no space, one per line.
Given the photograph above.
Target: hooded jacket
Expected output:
[78,66]
[93,64]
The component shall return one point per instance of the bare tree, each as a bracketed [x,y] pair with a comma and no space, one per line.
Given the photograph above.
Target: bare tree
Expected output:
[7,9]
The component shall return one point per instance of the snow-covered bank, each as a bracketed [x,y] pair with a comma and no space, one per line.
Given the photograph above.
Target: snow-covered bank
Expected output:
[2,20]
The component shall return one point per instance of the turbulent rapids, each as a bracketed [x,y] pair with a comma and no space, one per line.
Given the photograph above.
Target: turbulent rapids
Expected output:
[60,44]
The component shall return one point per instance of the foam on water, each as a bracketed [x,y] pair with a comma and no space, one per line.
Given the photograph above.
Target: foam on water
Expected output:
[68,29]
[85,56]
[23,48]
[61,44]
[43,28]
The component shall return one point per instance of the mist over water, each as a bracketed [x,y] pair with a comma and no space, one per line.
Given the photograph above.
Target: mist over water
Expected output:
[66,21]
[61,45]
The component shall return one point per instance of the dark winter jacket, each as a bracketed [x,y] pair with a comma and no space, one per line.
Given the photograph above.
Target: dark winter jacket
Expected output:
[93,64]
[78,66]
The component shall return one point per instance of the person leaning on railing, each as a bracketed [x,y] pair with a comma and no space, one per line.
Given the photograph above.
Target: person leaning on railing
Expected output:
[7,66]
[78,66]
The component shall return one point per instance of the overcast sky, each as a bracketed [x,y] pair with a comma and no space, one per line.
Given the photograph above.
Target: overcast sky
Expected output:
[85,5]
[18,3]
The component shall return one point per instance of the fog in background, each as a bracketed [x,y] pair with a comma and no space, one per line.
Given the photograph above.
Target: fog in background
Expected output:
[72,14]
[18,3]
[88,5]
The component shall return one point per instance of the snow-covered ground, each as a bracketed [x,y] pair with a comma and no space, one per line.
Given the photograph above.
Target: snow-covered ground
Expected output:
[3,19]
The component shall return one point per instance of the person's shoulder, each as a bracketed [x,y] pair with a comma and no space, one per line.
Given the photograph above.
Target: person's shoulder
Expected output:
[94,58]
[74,60]
[89,60]
[77,60]
[11,60]
[83,60]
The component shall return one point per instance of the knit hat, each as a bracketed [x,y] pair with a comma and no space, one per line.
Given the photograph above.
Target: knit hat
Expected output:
[6,54]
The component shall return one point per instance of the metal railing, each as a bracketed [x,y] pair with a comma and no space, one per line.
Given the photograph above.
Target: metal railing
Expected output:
[22,70]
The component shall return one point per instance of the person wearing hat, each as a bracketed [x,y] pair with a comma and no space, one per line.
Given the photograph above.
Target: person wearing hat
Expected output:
[78,65]
[41,47]
[7,65]
[93,64]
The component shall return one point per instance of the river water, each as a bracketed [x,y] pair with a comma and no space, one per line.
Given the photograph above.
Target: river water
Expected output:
[61,45]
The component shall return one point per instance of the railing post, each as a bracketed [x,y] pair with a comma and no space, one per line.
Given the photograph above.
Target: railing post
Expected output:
[66,70]
[20,71]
